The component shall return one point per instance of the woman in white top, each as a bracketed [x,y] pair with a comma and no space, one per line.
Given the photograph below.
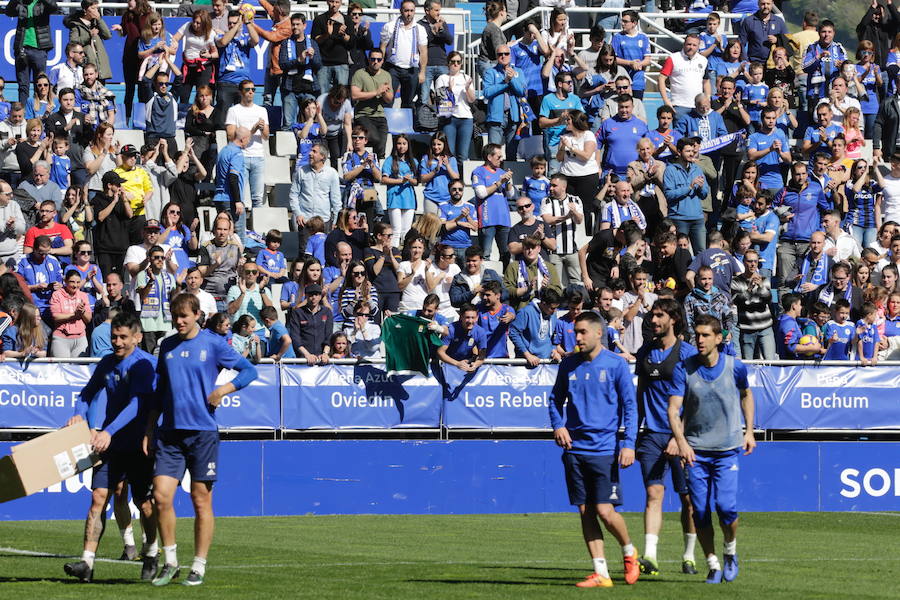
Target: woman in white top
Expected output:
[200,53]
[454,94]
[578,162]
[556,32]
[440,275]
[412,277]
[100,156]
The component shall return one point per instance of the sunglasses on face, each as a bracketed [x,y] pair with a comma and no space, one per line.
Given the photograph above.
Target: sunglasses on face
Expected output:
[455,62]
[375,59]
[85,252]
[523,207]
[358,273]
[356,14]
[251,272]
[457,189]
[448,256]
[248,89]
[503,54]
[157,257]
[359,137]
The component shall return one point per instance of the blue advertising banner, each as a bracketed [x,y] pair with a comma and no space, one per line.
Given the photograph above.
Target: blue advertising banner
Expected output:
[498,396]
[357,396]
[258,406]
[482,477]
[821,397]
[40,394]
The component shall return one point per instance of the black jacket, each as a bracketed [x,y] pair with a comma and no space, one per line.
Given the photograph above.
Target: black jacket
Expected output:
[41,13]
[880,34]
[884,133]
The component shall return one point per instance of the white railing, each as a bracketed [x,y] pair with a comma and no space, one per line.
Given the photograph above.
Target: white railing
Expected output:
[653,25]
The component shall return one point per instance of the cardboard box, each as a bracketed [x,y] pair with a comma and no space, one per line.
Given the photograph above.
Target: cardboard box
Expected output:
[45,460]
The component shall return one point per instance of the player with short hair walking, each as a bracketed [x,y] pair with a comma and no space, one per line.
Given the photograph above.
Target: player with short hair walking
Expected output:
[710,393]
[597,385]
[128,376]
[656,362]
[188,438]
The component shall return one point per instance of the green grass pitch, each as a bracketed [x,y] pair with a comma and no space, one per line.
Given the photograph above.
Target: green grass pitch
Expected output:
[783,555]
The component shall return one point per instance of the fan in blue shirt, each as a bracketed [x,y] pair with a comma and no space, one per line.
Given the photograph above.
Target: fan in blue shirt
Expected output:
[619,136]
[839,334]
[867,336]
[465,344]
[494,318]
[769,147]
[632,49]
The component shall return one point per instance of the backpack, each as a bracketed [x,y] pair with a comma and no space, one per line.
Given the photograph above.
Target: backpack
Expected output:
[28,205]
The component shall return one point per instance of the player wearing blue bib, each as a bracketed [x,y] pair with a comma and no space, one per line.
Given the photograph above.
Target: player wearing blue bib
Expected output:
[128,377]
[187,397]
[592,397]
[713,391]
[656,362]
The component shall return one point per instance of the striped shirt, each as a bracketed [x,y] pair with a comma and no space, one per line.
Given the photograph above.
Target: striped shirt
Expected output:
[348,302]
[564,231]
[752,303]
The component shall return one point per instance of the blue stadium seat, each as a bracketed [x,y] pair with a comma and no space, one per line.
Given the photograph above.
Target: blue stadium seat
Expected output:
[400,120]
[138,119]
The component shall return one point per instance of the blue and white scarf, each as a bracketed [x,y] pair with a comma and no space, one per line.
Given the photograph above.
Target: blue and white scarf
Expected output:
[415,42]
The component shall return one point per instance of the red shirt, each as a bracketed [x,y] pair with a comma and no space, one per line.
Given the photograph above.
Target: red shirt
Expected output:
[57,230]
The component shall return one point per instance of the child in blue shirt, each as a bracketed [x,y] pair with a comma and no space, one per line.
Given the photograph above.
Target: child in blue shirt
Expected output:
[745,214]
[755,93]
[279,344]
[537,187]
[867,337]
[271,262]
[315,243]
[61,165]
[839,332]
[614,333]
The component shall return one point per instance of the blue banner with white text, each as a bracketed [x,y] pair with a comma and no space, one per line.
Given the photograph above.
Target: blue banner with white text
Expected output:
[358,396]
[295,396]
[497,396]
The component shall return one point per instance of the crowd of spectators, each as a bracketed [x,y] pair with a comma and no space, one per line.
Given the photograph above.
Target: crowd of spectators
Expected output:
[750,197]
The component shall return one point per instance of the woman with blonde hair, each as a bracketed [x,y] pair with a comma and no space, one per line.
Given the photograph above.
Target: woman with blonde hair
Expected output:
[426,226]
[852,133]
[26,338]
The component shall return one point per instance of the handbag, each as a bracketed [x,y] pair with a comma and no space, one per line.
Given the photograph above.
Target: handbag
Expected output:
[425,118]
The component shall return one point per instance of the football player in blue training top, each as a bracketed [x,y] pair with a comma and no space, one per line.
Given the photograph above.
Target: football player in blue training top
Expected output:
[714,393]
[128,376]
[597,385]
[188,438]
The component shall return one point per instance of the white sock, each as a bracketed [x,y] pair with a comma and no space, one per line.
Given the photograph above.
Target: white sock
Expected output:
[150,550]
[628,549]
[88,557]
[650,542]
[127,535]
[690,540]
[731,547]
[199,565]
[713,562]
[600,567]
[171,554]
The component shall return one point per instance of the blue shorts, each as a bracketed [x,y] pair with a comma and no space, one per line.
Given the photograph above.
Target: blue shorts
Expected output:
[116,467]
[651,453]
[713,484]
[196,451]
[592,479]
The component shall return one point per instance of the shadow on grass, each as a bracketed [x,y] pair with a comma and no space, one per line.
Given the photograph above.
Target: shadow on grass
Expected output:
[70,581]
[478,581]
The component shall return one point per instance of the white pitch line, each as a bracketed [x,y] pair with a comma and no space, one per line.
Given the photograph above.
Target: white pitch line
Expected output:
[512,564]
